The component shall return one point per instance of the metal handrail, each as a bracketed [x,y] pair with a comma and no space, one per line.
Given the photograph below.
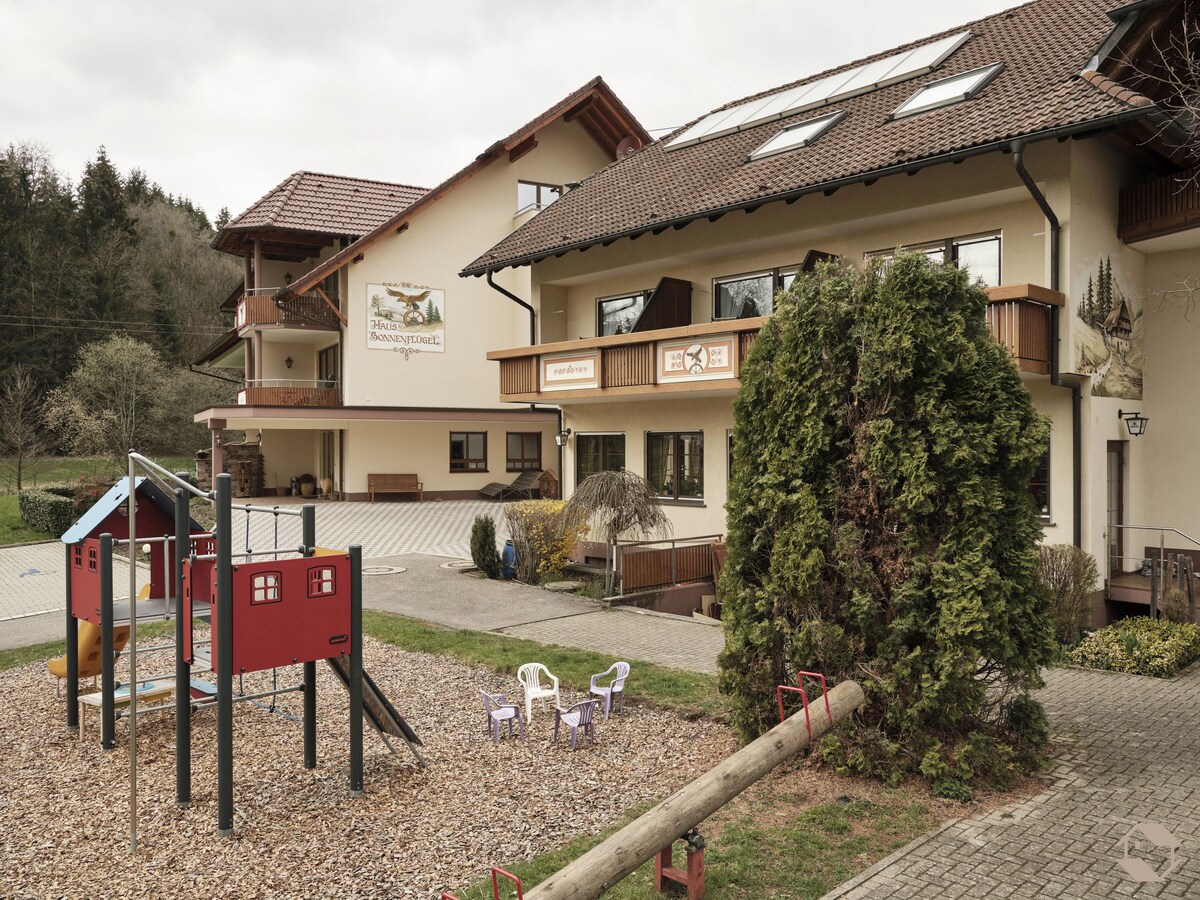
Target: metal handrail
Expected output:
[672,541]
[292,382]
[1159,528]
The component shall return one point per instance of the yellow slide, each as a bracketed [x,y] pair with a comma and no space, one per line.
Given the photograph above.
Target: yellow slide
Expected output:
[89,646]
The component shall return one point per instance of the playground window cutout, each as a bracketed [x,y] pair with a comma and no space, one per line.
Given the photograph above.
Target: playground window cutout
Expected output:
[91,559]
[266,588]
[79,557]
[322,581]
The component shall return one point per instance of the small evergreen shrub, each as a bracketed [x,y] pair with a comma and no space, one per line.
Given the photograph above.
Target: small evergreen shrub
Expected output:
[87,491]
[483,546]
[1069,576]
[47,509]
[544,536]
[1175,606]
[1140,646]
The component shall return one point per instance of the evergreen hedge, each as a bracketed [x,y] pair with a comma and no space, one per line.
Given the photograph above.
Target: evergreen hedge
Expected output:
[483,546]
[51,510]
[1140,646]
[883,530]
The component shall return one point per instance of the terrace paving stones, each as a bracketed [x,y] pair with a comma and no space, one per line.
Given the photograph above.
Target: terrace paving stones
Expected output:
[1127,751]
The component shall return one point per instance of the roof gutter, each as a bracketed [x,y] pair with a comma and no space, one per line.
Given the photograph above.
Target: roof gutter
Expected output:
[1018,157]
[1061,133]
[517,300]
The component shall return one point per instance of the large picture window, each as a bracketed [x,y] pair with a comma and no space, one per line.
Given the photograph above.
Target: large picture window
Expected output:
[524,451]
[675,464]
[468,451]
[598,453]
[747,296]
[618,315]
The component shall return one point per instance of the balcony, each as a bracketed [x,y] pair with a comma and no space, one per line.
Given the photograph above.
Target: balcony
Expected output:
[1160,207]
[289,392]
[707,358]
[311,311]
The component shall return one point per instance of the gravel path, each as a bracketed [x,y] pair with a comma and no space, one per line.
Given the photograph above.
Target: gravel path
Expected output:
[64,804]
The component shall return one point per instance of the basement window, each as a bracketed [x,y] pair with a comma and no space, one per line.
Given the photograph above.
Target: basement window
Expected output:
[947,91]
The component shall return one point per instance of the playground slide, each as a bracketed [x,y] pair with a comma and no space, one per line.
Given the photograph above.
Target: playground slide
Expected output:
[89,646]
[377,707]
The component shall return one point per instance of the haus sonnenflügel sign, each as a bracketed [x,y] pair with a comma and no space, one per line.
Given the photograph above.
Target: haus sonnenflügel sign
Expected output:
[405,317]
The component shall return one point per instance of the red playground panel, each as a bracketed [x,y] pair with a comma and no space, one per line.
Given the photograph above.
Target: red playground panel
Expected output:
[289,611]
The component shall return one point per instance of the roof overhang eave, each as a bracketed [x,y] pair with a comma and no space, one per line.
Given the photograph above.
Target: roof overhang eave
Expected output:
[1060,132]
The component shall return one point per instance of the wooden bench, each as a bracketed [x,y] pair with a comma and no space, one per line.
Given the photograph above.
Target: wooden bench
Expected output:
[394,484]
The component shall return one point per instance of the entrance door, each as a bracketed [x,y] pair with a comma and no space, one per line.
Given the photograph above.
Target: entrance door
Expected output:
[326,462]
[1116,506]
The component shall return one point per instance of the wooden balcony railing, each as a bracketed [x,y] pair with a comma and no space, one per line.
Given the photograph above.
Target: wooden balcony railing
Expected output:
[289,392]
[650,565]
[258,308]
[708,358]
[1163,206]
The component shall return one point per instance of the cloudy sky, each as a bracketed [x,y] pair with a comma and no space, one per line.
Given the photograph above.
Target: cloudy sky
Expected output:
[220,100]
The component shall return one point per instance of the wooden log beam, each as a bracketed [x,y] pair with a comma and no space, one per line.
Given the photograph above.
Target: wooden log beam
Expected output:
[611,860]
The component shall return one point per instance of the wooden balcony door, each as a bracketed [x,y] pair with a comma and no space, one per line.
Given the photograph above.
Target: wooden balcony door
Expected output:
[1115,495]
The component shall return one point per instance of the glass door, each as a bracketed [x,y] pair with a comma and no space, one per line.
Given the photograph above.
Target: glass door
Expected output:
[326,477]
[1116,506]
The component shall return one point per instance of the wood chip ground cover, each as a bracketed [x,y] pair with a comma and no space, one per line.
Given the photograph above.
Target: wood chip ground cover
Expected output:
[298,832]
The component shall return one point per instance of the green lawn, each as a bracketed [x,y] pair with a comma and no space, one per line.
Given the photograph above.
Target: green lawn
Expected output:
[66,469]
[686,692]
[12,529]
[777,848]
[39,652]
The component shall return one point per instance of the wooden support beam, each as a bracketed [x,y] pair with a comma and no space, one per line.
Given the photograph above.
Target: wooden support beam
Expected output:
[337,312]
[522,148]
[612,859]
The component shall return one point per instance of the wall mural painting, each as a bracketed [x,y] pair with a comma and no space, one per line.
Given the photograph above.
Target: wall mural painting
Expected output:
[406,318]
[1109,345]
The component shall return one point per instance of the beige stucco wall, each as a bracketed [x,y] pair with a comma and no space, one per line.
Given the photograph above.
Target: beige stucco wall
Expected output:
[714,417]
[288,454]
[439,241]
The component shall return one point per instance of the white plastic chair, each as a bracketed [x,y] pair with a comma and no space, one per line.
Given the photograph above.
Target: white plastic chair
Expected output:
[530,676]
[612,690]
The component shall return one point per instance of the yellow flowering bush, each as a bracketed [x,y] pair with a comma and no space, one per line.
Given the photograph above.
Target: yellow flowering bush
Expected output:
[544,536]
[1140,646]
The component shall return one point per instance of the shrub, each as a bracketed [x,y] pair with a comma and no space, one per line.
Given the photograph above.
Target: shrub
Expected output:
[1069,576]
[544,536]
[47,510]
[1140,646]
[483,546]
[1175,606]
[87,491]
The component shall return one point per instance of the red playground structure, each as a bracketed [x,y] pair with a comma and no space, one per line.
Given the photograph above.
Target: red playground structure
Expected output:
[268,608]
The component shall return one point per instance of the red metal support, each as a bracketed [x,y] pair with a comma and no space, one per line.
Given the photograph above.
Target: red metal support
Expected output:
[692,878]
[779,689]
[446,895]
[824,691]
[496,871]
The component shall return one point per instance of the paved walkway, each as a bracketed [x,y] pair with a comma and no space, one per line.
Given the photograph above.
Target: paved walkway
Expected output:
[445,597]
[1131,755]
[31,581]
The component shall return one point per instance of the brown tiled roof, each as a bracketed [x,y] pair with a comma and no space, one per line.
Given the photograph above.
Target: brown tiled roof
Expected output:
[594,106]
[321,204]
[1040,93]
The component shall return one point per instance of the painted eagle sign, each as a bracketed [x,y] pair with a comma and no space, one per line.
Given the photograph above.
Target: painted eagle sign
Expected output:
[406,318]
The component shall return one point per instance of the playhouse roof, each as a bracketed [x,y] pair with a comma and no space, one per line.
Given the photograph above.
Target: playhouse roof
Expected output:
[117,495]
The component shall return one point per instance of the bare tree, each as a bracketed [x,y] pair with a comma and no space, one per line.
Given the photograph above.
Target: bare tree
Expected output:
[22,431]
[1168,72]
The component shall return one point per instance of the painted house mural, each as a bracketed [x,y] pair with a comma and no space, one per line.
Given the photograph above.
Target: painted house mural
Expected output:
[406,317]
[1109,345]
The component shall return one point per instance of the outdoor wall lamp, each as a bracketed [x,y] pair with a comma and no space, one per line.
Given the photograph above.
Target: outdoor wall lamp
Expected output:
[288,362]
[562,437]
[1134,421]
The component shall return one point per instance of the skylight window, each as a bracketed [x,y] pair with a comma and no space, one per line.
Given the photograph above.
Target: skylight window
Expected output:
[950,90]
[799,135]
[822,92]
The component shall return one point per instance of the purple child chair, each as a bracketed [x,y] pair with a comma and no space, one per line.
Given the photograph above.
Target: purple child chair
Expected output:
[580,716]
[499,710]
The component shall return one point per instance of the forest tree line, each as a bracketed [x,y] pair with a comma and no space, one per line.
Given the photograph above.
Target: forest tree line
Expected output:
[83,263]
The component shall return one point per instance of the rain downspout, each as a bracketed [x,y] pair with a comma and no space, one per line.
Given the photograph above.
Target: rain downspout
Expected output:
[1039,198]
[532,343]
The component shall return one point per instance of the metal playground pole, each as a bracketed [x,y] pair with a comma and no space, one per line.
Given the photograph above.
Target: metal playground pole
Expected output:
[133,549]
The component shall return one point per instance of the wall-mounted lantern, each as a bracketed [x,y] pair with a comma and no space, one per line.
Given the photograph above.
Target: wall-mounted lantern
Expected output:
[288,362]
[562,437]
[1134,421]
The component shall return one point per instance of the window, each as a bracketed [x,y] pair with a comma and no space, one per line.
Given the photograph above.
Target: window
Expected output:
[747,296]
[327,367]
[618,315]
[322,581]
[729,454]
[524,451]
[675,464]
[265,587]
[598,453]
[1039,486]
[531,195]
[946,91]
[979,253]
[796,136]
[92,557]
[79,557]
[468,451]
